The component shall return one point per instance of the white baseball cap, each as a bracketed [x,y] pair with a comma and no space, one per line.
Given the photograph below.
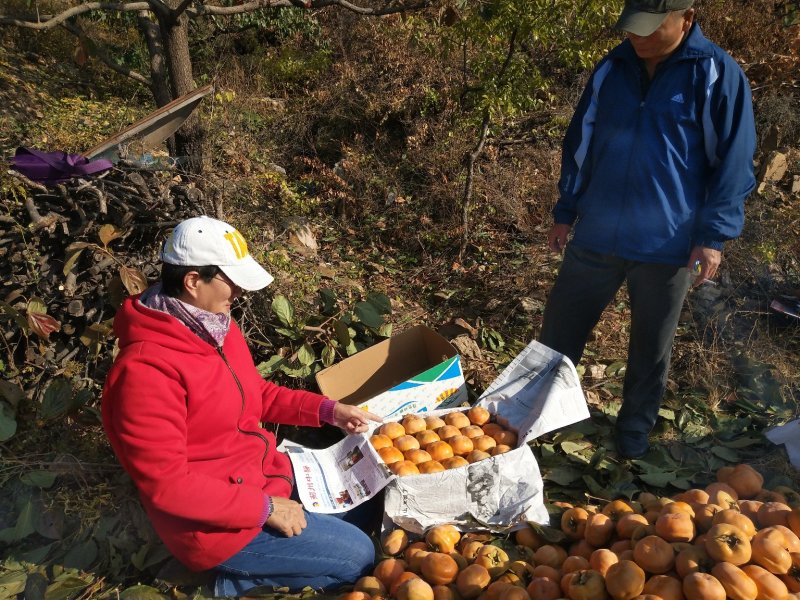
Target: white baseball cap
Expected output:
[203,241]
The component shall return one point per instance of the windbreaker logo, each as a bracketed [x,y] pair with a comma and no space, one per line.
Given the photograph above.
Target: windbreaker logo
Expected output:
[677,98]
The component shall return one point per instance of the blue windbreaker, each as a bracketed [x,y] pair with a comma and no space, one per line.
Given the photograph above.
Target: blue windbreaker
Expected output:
[650,170]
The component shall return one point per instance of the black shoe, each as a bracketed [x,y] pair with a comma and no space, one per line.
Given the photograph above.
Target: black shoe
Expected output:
[631,444]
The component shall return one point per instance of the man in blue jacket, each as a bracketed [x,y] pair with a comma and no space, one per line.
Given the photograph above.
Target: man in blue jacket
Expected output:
[656,166]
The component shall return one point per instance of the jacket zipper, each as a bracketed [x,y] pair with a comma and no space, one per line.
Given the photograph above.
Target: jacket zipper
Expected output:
[241,414]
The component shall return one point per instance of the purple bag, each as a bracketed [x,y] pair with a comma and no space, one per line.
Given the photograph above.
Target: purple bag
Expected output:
[51,168]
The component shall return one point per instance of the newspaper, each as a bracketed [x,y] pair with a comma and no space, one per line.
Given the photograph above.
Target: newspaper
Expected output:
[338,478]
[537,393]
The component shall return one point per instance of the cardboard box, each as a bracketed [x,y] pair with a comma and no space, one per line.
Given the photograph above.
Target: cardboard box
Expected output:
[414,371]
[538,392]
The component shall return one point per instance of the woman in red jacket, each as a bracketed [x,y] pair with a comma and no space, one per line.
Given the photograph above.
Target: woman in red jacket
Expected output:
[183,408]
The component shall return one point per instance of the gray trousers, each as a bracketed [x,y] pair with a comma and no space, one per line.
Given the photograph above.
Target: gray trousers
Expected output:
[586,283]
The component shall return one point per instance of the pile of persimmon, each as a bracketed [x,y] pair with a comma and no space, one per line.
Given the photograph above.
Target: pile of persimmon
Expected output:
[732,539]
[430,444]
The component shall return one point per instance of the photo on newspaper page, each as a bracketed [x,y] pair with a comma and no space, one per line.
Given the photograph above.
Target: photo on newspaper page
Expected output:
[338,478]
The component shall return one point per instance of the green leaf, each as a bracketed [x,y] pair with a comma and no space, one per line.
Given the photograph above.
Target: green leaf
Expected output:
[742,442]
[306,355]
[367,314]
[381,302]
[385,330]
[57,399]
[289,333]
[40,479]
[328,355]
[562,475]
[726,453]
[141,592]
[11,392]
[327,301]
[66,588]
[8,422]
[12,583]
[342,333]
[616,368]
[71,258]
[271,365]
[667,414]
[657,478]
[81,556]
[24,526]
[283,310]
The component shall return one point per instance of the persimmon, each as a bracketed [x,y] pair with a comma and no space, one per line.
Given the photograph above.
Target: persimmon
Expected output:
[439,450]
[484,443]
[491,428]
[500,449]
[413,548]
[770,587]
[792,577]
[543,588]
[413,424]
[478,415]
[665,587]
[442,538]
[675,527]
[528,537]
[356,595]
[415,561]
[745,480]
[427,437]
[628,523]
[392,430]
[380,440]
[737,584]
[506,438]
[496,589]
[573,522]
[581,548]
[406,442]
[471,582]
[601,559]
[725,542]
[491,556]
[771,496]
[547,571]
[433,422]
[625,580]
[773,513]
[734,517]
[448,431]
[693,496]
[654,554]
[694,559]
[401,580]
[454,462]
[390,455]
[477,456]
[472,431]
[445,592]
[599,529]
[417,456]
[514,592]
[586,584]
[722,494]
[702,586]
[394,542]
[457,419]
[414,589]
[790,540]
[553,556]
[678,506]
[770,554]
[388,570]
[574,563]
[439,568]
[749,508]
[461,444]
[404,467]
[369,584]
[616,508]
[620,546]
[430,466]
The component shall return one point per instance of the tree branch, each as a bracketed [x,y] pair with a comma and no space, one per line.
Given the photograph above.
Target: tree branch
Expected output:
[203,9]
[36,22]
[104,58]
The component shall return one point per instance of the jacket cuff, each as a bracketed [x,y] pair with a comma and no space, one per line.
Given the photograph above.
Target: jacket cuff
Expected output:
[326,411]
[713,245]
[563,216]
[266,511]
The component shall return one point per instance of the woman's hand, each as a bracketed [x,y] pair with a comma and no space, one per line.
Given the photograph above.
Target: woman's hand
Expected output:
[287,516]
[353,419]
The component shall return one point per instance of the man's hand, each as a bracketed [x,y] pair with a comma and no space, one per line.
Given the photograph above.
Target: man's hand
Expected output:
[287,516]
[703,264]
[557,237]
[352,419]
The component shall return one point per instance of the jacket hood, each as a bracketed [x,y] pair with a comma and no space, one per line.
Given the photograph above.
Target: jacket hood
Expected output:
[696,45]
[135,323]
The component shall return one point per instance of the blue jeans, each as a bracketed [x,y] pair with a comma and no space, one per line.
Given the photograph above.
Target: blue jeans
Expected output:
[330,552]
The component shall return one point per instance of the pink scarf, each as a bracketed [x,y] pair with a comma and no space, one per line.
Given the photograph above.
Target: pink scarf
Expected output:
[212,327]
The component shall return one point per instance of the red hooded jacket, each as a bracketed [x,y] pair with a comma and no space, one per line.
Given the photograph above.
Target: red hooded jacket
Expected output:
[184,420]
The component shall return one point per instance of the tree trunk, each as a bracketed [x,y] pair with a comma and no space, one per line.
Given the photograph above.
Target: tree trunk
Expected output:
[189,138]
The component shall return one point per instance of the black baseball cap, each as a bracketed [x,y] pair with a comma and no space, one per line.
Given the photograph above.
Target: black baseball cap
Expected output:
[643,17]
